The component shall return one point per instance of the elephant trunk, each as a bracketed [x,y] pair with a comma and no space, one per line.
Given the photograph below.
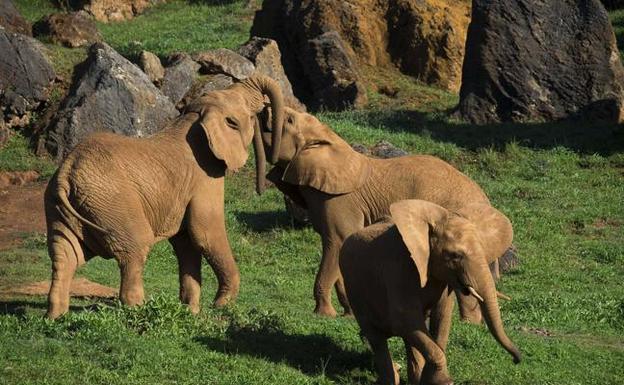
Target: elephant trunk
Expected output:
[260,159]
[267,86]
[491,313]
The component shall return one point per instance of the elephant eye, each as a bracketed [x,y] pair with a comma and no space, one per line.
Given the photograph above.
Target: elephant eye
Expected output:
[232,123]
[290,120]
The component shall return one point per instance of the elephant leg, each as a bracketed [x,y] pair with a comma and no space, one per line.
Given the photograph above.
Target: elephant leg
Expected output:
[206,227]
[189,267]
[469,309]
[415,363]
[435,371]
[131,265]
[64,264]
[441,316]
[341,292]
[328,275]
[386,373]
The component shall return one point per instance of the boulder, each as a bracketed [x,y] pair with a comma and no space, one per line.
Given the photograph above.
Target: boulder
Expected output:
[334,79]
[179,77]
[224,61]
[203,85]
[74,29]
[266,57]
[114,10]
[151,65]
[424,38]
[26,75]
[540,61]
[108,93]
[12,20]
[384,149]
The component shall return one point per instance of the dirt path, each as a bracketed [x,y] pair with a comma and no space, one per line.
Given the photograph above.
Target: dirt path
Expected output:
[21,207]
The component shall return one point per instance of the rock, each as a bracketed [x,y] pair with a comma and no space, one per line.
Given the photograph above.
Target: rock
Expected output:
[12,20]
[4,131]
[74,29]
[26,75]
[385,150]
[266,57]
[540,61]
[362,149]
[427,38]
[179,77]
[509,260]
[204,85]
[115,10]
[108,93]
[424,38]
[334,78]
[150,64]
[224,61]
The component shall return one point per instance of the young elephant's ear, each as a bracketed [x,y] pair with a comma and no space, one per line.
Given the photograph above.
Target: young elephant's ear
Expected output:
[228,138]
[331,166]
[413,219]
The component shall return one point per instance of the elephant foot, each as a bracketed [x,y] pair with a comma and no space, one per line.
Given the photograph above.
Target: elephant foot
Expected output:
[193,308]
[223,299]
[54,314]
[325,311]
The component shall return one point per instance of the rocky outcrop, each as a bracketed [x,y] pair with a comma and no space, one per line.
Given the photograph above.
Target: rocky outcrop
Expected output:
[26,75]
[74,29]
[204,85]
[108,93]
[423,38]
[541,61]
[266,57]
[114,10]
[179,77]
[12,20]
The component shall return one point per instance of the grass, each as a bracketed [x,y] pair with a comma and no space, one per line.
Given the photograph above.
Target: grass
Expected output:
[560,184]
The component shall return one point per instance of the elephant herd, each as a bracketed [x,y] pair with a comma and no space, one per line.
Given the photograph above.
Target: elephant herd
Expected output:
[400,236]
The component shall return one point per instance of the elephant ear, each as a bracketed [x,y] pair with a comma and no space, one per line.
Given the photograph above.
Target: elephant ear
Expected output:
[414,219]
[226,139]
[494,228]
[330,166]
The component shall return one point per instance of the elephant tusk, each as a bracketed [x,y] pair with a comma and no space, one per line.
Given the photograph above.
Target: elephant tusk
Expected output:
[503,296]
[474,293]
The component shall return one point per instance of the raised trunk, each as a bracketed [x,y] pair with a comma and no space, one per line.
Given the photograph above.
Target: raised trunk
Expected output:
[260,158]
[491,313]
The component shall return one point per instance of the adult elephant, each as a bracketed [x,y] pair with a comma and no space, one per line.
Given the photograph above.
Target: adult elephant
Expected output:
[116,196]
[345,191]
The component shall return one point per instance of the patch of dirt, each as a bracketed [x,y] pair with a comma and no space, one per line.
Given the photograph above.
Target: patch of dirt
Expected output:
[21,207]
[537,331]
[80,287]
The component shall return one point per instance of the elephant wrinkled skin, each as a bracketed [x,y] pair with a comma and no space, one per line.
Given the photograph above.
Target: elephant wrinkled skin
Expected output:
[397,270]
[116,196]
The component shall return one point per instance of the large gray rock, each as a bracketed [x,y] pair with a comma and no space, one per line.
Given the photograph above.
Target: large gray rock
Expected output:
[74,29]
[265,55]
[12,20]
[108,93]
[224,61]
[25,75]
[204,85]
[179,77]
[333,77]
[532,60]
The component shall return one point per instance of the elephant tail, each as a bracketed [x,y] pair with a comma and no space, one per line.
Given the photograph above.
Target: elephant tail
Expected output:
[62,194]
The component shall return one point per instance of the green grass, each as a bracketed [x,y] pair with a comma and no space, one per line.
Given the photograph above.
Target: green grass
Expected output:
[17,156]
[560,184]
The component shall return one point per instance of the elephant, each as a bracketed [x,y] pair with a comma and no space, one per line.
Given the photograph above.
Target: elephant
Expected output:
[344,191]
[399,269]
[115,196]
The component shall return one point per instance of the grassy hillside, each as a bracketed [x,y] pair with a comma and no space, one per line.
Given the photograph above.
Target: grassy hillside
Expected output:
[561,185]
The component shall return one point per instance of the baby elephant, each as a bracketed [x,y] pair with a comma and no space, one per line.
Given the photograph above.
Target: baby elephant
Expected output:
[396,272]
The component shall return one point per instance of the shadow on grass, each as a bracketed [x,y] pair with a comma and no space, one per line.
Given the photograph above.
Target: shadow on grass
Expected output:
[312,354]
[20,307]
[265,221]
[581,136]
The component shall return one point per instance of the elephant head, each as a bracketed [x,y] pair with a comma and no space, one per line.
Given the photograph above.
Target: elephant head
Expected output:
[229,119]
[453,248]
[311,154]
